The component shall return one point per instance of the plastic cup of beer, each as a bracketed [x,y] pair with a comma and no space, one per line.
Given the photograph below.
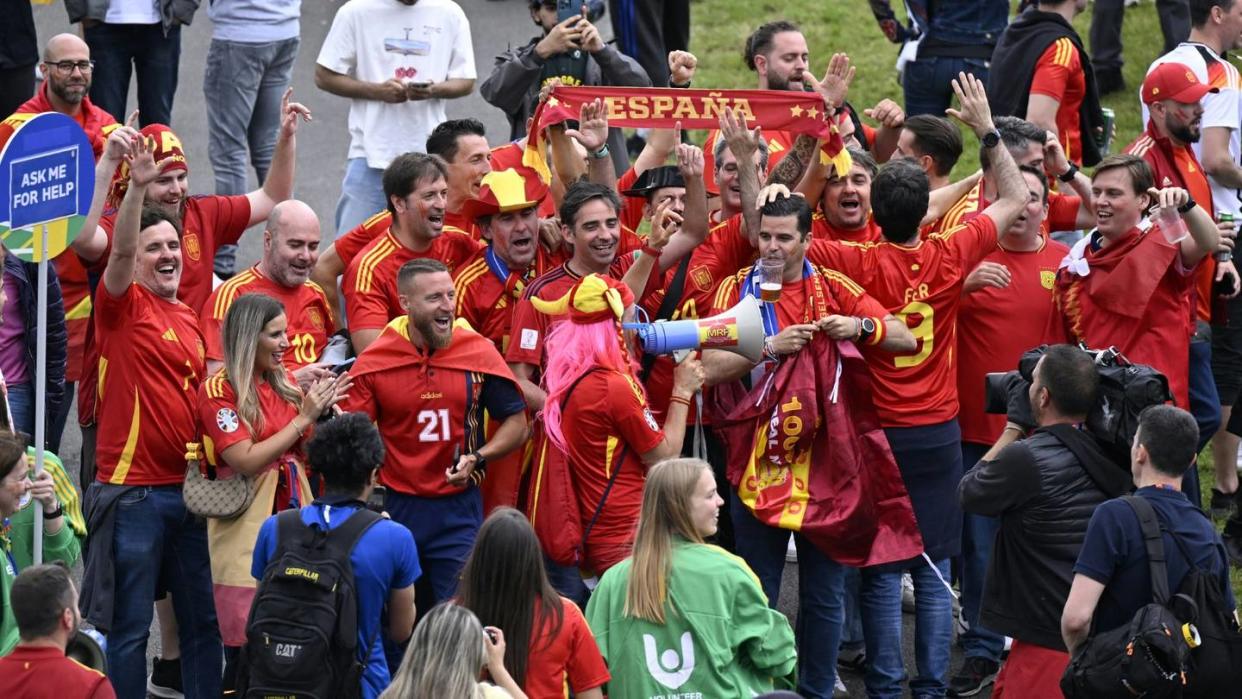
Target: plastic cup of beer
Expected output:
[771,278]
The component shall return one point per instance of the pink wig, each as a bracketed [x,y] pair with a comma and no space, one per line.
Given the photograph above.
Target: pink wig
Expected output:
[574,349]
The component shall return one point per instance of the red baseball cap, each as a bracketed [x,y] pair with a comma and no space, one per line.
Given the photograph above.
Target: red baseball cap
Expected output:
[1174,81]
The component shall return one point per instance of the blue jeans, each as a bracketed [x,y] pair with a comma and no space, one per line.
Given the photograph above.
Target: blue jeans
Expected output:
[243,84]
[22,406]
[933,630]
[119,49]
[362,195]
[927,82]
[1204,405]
[56,430]
[158,546]
[820,592]
[852,628]
[567,581]
[978,535]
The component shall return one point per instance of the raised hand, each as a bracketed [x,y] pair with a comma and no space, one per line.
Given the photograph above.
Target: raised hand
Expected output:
[973,98]
[563,38]
[835,86]
[689,160]
[142,169]
[888,113]
[771,193]
[681,67]
[664,223]
[1055,161]
[289,113]
[592,131]
[742,141]
[1169,197]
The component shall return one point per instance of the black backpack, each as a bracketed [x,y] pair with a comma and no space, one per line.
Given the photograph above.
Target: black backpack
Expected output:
[302,634]
[1148,657]
[1125,390]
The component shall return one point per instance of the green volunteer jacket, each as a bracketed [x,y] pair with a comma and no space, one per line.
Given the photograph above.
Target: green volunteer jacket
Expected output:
[720,638]
[17,543]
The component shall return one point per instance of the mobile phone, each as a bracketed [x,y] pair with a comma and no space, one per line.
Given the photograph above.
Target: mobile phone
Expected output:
[375,501]
[344,366]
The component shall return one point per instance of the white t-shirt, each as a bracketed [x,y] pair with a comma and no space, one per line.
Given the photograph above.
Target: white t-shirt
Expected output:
[1219,110]
[377,40]
[132,12]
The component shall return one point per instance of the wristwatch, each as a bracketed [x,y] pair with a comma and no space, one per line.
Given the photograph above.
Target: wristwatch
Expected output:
[53,514]
[480,461]
[868,329]
[1068,175]
[601,153]
[991,139]
[1185,208]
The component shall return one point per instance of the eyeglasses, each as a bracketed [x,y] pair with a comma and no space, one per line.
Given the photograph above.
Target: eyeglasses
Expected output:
[66,67]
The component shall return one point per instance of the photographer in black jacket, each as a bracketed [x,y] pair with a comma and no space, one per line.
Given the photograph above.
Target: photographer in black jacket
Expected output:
[1044,488]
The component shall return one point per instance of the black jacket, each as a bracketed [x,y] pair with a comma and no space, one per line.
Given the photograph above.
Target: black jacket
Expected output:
[1013,69]
[1044,488]
[26,274]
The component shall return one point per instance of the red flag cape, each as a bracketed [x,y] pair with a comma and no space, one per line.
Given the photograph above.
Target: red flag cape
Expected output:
[806,453]
[794,112]
[468,351]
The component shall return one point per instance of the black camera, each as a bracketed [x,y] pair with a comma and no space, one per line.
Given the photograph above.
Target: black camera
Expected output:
[1125,389]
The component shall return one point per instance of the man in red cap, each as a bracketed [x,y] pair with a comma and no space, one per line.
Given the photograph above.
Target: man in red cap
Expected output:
[1172,94]
[426,385]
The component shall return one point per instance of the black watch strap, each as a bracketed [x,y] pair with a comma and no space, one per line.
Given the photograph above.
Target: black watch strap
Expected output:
[53,514]
[1185,208]
[991,139]
[1068,175]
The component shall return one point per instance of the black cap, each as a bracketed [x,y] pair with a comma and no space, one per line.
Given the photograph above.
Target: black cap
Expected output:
[656,178]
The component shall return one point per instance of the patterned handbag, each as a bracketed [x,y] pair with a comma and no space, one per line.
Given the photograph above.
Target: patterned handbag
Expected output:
[208,495]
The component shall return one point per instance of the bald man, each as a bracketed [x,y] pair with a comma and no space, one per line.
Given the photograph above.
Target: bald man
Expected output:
[290,248]
[67,69]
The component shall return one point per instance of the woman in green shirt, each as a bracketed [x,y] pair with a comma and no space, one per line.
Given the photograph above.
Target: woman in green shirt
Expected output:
[682,616]
[18,489]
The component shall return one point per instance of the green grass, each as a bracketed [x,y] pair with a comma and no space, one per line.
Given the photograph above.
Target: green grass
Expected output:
[720,28]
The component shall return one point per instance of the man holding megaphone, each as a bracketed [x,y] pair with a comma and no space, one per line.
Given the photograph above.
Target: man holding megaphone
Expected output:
[799,301]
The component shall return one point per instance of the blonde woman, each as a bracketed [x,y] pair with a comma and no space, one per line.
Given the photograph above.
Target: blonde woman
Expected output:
[683,615]
[254,421]
[447,655]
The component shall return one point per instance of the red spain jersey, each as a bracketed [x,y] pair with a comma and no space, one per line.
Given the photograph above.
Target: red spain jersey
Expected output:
[76,292]
[485,301]
[1059,75]
[1062,212]
[349,245]
[995,326]
[530,327]
[427,405]
[150,365]
[222,424]
[370,284]
[208,222]
[841,295]
[306,307]
[608,427]
[455,221]
[921,286]
[821,229]
[1135,298]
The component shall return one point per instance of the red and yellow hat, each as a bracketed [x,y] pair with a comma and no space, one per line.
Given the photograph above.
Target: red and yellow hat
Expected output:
[593,299]
[168,155]
[506,190]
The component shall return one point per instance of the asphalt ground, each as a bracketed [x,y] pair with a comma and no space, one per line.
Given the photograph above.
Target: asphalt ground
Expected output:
[322,147]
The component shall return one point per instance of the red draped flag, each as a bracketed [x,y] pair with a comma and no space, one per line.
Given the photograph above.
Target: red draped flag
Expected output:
[782,110]
[806,453]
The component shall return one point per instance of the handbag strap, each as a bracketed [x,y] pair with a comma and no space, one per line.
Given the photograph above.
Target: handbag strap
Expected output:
[620,459]
[1149,521]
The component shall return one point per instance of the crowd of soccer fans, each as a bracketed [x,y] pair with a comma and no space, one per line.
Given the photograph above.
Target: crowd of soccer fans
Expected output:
[433,451]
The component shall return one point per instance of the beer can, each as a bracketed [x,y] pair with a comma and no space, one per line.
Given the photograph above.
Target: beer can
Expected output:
[1223,217]
[1110,118]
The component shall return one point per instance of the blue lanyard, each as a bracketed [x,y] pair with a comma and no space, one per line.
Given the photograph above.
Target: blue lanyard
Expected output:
[750,287]
[497,265]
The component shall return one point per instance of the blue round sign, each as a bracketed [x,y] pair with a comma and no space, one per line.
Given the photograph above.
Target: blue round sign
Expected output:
[47,177]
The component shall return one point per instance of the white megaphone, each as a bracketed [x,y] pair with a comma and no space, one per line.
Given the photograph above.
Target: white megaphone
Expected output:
[738,330]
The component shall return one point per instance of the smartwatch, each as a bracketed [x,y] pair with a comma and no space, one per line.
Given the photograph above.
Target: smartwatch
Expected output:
[480,461]
[868,329]
[991,139]
[1068,175]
